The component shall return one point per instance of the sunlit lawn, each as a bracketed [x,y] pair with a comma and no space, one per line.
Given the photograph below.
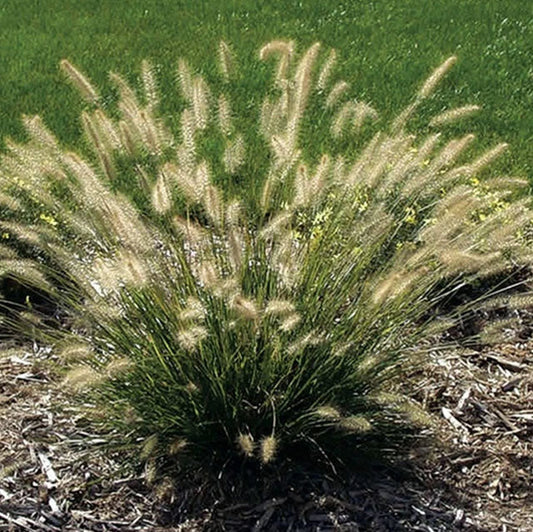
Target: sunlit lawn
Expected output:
[386,49]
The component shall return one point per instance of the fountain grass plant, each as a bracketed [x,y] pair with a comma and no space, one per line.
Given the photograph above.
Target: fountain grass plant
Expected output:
[212,327]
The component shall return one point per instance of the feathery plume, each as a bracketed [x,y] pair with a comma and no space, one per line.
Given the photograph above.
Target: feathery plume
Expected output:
[135,122]
[150,131]
[226,60]
[82,377]
[514,302]
[234,155]
[193,311]
[277,226]
[423,152]
[416,414]
[279,47]
[338,171]
[328,413]
[336,93]
[394,285]
[128,138]
[7,252]
[201,179]
[320,177]
[80,81]
[301,186]
[124,269]
[448,154]
[361,112]
[368,155]
[149,84]
[356,424]
[401,120]
[195,235]
[499,330]
[226,289]
[161,197]
[506,183]
[191,337]
[309,339]
[150,444]
[187,156]
[325,72]
[485,159]
[267,125]
[246,445]
[359,245]
[177,446]
[92,188]
[108,130]
[30,234]
[235,246]
[10,202]
[38,132]
[342,348]
[207,274]
[76,352]
[200,102]
[224,115]
[389,398]
[435,77]
[463,261]
[408,169]
[125,91]
[245,307]
[124,225]
[132,269]
[213,205]
[185,79]
[101,147]
[185,180]
[302,81]
[234,213]
[285,49]
[150,471]
[279,307]
[269,448]
[192,388]
[341,119]
[402,404]
[290,322]
[118,366]
[452,115]
[26,271]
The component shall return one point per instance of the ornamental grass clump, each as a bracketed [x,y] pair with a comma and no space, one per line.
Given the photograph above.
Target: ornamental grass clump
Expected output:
[212,327]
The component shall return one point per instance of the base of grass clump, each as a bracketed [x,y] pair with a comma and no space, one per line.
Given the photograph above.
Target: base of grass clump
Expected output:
[392,425]
[451,487]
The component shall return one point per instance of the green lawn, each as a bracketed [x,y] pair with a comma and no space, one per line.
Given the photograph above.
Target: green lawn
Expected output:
[386,47]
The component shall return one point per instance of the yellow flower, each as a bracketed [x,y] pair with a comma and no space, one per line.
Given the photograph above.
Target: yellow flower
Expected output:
[48,219]
[410,215]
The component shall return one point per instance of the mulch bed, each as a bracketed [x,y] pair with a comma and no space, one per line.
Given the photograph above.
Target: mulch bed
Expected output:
[54,477]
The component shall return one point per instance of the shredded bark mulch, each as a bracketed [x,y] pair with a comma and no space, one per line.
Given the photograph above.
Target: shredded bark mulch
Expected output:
[53,475]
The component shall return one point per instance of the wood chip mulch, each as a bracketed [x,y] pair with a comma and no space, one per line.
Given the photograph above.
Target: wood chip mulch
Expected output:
[479,477]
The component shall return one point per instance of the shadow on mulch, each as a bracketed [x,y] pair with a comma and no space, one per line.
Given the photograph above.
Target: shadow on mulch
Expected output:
[380,499]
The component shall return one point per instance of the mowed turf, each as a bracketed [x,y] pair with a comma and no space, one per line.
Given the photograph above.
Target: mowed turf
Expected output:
[386,48]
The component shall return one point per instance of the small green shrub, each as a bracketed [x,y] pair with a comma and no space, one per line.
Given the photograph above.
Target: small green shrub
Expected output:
[211,326]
